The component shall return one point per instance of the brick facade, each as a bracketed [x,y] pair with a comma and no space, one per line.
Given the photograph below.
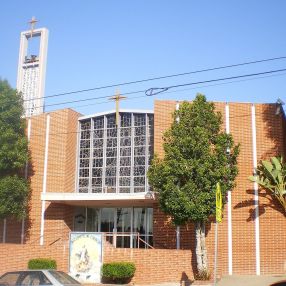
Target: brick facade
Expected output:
[60,178]
[270,137]
[153,265]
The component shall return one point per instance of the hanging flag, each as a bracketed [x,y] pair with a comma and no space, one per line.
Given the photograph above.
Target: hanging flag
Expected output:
[218,203]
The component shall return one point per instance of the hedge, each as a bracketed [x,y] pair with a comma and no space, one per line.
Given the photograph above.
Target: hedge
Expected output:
[42,263]
[118,272]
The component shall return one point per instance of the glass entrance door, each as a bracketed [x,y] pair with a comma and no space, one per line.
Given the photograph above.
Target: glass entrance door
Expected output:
[143,224]
[92,222]
[107,223]
[124,226]
[120,225]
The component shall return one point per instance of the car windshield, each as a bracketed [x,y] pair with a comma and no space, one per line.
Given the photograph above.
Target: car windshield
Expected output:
[9,278]
[63,278]
[24,278]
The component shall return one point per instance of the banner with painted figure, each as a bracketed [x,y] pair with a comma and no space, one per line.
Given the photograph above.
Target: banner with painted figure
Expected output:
[85,256]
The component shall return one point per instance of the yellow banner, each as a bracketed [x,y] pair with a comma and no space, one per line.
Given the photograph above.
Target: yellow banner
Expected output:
[218,203]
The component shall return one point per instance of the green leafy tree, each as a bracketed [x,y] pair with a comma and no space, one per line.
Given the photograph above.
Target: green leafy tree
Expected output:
[197,156]
[14,189]
[271,175]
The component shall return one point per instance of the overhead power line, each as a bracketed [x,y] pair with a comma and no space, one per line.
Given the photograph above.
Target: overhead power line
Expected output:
[156,90]
[161,77]
[185,89]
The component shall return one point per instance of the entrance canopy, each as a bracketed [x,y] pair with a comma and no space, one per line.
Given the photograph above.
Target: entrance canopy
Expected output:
[101,199]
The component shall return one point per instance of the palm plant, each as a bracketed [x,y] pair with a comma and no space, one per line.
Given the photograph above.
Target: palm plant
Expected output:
[271,175]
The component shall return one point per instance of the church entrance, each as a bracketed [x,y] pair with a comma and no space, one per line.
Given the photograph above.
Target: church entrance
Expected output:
[123,227]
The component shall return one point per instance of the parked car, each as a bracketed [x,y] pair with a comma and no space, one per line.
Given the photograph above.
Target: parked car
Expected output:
[37,278]
[279,283]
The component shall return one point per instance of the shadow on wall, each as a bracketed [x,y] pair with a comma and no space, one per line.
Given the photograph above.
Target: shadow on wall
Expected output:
[165,235]
[61,217]
[185,280]
[274,128]
[266,195]
[28,219]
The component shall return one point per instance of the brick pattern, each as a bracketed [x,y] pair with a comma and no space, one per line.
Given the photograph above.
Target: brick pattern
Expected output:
[243,194]
[13,231]
[270,141]
[270,138]
[61,174]
[154,265]
[1,230]
[16,256]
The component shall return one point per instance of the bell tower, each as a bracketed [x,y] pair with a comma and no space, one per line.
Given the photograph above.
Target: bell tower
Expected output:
[32,68]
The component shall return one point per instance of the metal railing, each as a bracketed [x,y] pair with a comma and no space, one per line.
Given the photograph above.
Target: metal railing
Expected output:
[128,239]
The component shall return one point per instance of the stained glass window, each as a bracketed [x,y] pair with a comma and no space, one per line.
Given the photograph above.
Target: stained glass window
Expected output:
[115,159]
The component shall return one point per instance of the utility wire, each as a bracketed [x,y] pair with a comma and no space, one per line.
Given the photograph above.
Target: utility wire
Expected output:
[156,90]
[93,98]
[185,89]
[161,77]
[233,116]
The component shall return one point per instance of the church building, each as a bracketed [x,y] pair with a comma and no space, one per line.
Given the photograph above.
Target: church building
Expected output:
[88,175]
[89,185]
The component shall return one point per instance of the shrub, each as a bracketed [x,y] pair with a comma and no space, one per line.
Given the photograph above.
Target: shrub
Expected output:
[203,275]
[42,263]
[118,272]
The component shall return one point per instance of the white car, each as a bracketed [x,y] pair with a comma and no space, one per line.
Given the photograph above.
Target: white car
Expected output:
[37,277]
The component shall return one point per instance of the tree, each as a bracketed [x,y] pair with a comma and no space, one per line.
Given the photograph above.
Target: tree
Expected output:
[271,175]
[14,188]
[197,156]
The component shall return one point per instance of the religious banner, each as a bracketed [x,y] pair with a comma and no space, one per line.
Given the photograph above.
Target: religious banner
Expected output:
[85,256]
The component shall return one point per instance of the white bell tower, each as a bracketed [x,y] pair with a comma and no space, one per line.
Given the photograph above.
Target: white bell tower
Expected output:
[32,69]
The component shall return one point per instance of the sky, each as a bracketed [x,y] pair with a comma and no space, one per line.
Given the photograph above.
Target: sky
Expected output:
[99,43]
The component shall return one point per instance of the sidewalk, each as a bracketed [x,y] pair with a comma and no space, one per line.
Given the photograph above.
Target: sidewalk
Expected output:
[233,280]
[250,280]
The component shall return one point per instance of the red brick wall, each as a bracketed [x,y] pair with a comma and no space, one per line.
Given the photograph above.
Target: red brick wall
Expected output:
[272,221]
[1,230]
[60,178]
[16,256]
[154,265]
[270,141]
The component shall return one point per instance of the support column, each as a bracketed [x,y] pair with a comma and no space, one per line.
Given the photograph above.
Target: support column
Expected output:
[26,177]
[255,186]
[178,230]
[229,203]
[45,179]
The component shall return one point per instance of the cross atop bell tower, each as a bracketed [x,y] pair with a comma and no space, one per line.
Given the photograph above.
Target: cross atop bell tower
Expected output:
[33,22]
[32,69]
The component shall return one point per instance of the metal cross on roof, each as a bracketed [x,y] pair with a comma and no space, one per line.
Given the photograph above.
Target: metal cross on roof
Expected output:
[117,98]
[32,22]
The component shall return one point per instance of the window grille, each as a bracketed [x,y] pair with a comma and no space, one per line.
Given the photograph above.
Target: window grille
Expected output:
[112,158]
